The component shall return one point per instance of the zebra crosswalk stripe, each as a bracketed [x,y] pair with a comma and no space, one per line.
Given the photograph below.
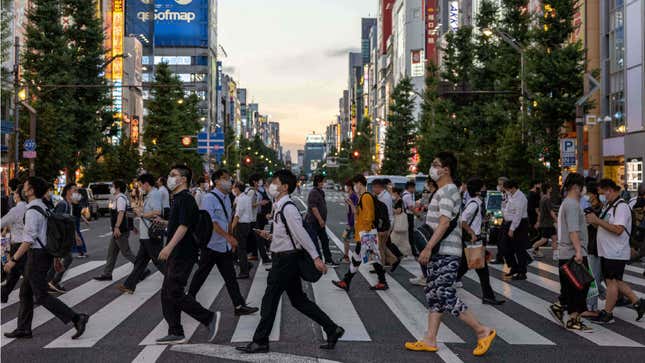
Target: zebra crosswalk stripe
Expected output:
[70,274]
[111,315]
[71,298]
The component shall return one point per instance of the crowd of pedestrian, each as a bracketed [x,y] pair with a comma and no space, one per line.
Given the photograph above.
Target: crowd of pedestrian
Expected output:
[219,221]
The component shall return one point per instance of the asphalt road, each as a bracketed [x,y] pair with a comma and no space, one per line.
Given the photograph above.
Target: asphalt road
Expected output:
[122,328]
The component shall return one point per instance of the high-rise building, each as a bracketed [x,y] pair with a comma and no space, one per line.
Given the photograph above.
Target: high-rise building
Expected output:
[355,91]
[132,95]
[245,129]
[344,116]
[314,153]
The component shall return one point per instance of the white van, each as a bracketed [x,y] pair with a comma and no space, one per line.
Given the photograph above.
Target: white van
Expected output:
[101,192]
[398,181]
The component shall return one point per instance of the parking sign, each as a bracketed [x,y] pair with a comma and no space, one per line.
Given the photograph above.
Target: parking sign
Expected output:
[568,152]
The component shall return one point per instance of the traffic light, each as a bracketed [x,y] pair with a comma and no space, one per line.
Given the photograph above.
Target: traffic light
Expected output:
[324,173]
[247,160]
[186,141]
[356,154]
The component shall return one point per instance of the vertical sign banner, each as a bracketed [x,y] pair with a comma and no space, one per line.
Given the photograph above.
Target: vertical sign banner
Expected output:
[453,15]
[417,65]
[568,152]
[134,130]
[431,24]
[118,25]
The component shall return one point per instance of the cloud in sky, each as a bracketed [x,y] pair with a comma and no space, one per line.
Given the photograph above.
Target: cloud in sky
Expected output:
[291,56]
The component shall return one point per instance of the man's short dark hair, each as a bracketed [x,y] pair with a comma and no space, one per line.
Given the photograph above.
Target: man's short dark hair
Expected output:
[119,184]
[146,178]
[535,182]
[39,185]
[546,186]
[162,179]
[184,171]
[397,190]
[254,178]
[240,186]
[592,188]
[511,184]
[349,183]
[387,181]
[448,160]
[19,191]
[286,177]
[641,190]
[474,186]
[201,180]
[410,184]
[14,183]
[359,178]
[572,180]
[218,174]
[379,182]
[607,183]
[66,189]
[318,178]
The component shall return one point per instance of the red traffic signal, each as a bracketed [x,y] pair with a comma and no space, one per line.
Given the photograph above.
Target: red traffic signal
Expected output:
[356,154]
[186,141]
[247,160]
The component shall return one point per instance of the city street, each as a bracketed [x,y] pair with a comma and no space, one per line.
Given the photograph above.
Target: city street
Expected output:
[122,328]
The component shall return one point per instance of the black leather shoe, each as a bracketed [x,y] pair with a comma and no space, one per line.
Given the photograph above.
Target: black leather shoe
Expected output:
[103,278]
[493,301]
[245,310]
[519,277]
[253,348]
[243,276]
[80,325]
[18,334]
[332,338]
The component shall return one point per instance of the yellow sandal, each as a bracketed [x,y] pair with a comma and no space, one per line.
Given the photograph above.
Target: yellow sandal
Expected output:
[484,344]
[420,346]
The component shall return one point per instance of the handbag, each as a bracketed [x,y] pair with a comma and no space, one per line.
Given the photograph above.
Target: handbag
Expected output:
[577,274]
[400,223]
[156,231]
[306,266]
[475,255]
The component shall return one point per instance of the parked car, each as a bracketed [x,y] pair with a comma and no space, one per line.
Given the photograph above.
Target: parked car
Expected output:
[89,202]
[101,193]
[494,217]
[329,184]
[419,182]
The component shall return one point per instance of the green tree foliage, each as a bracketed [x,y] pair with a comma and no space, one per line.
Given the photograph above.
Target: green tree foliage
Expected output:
[120,161]
[400,132]
[263,159]
[171,116]
[6,42]
[363,144]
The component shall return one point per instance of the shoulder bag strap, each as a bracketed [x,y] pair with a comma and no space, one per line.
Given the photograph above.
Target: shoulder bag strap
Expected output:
[286,226]
[221,202]
[41,211]
[474,215]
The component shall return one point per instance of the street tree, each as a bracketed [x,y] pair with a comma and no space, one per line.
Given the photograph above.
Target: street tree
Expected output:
[400,132]
[5,51]
[113,161]
[361,150]
[171,116]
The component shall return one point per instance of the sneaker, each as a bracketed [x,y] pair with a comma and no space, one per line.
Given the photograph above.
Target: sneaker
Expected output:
[458,285]
[245,310]
[603,318]
[395,265]
[213,326]
[82,256]
[557,312]
[537,254]
[172,339]
[55,287]
[578,325]
[341,284]
[640,309]
[124,289]
[379,286]
[419,281]
[331,264]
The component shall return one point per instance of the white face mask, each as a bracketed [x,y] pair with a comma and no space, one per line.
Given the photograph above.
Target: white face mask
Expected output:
[76,197]
[602,199]
[172,182]
[273,191]
[261,183]
[112,190]
[434,173]
[356,189]
[205,186]
[225,184]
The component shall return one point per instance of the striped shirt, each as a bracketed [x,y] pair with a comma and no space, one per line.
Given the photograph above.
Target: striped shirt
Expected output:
[446,202]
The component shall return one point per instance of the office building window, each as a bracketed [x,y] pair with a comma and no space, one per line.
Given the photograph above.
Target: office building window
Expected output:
[174,60]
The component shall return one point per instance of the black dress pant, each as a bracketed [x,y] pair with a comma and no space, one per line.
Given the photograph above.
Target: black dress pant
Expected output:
[224,262]
[413,248]
[514,249]
[483,273]
[14,275]
[35,285]
[317,234]
[284,276]
[242,231]
[174,299]
[148,250]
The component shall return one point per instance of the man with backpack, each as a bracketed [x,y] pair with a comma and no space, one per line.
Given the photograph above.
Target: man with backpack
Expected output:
[409,206]
[220,249]
[364,222]
[316,219]
[180,254]
[38,246]
[120,231]
[384,209]
[637,237]
[614,225]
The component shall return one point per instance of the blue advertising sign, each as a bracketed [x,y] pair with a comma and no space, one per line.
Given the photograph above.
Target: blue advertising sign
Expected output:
[177,23]
[219,75]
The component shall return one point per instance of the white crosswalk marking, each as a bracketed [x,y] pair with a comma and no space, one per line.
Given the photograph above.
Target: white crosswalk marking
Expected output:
[329,298]
[111,315]
[73,272]
[410,312]
[600,336]
[71,298]
[205,296]
[620,312]
[509,329]
[247,323]
[638,270]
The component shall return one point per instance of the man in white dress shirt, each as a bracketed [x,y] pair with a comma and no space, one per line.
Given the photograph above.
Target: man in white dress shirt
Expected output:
[515,231]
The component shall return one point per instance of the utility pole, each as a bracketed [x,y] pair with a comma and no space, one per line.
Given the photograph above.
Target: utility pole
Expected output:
[16,106]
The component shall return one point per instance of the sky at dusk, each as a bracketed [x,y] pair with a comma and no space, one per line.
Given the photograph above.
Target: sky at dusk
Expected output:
[291,56]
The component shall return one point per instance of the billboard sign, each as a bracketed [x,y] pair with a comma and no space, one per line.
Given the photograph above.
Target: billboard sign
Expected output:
[174,23]
[431,34]
[417,64]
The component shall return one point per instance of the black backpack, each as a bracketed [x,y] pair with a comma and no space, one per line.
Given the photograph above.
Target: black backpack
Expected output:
[204,227]
[61,232]
[381,215]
